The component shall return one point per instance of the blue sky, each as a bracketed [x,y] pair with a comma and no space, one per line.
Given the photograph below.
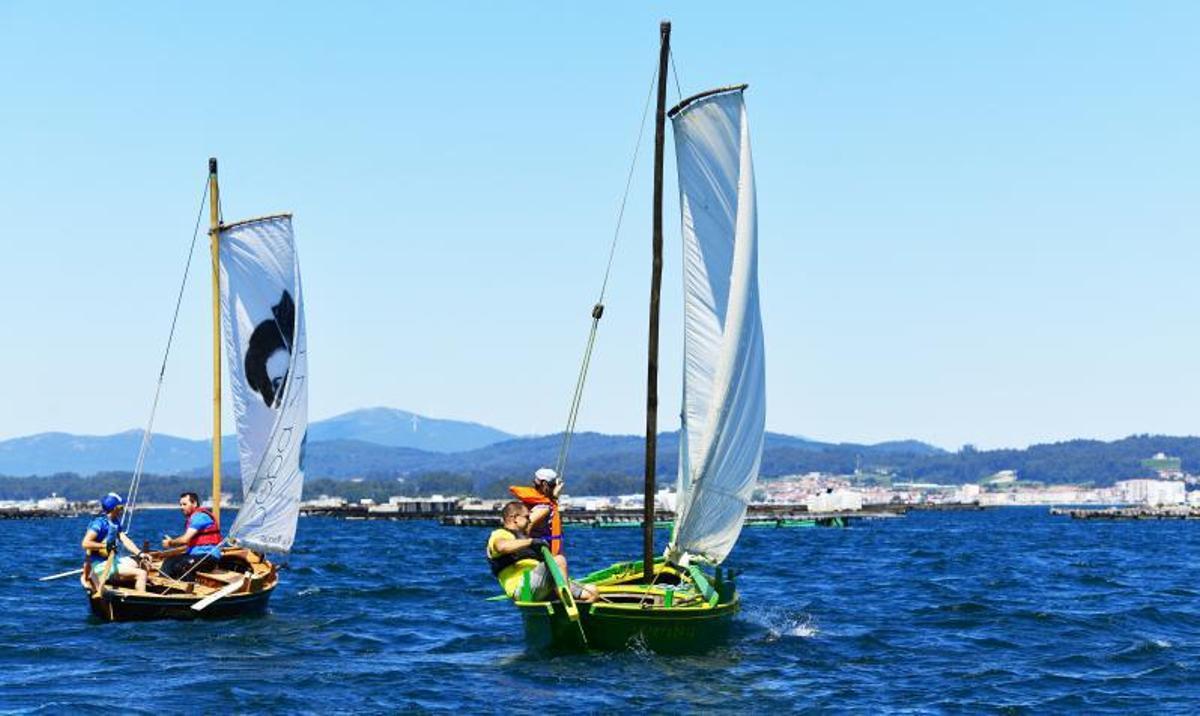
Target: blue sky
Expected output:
[978,221]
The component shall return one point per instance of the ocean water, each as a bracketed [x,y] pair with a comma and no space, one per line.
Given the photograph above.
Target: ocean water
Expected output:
[1008,611]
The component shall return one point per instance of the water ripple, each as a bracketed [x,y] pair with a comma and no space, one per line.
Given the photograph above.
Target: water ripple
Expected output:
[1007,611]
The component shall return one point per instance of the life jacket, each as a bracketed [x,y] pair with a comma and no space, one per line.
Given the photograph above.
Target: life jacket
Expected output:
[111,532]
[205,536]
[503,561]
[551,529]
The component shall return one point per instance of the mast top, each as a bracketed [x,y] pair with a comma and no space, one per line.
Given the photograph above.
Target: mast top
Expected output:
[212,165]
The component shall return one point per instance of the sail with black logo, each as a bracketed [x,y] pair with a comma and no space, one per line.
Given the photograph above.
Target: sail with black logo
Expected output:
[262,316]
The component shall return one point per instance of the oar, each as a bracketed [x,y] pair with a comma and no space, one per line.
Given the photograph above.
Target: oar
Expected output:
[224,592]
[563,587]
[60,575]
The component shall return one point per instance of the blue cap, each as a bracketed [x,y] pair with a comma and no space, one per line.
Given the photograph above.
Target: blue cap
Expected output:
[111,500]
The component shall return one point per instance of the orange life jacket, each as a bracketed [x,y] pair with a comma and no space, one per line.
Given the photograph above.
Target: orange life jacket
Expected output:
[205,536]
[551,529]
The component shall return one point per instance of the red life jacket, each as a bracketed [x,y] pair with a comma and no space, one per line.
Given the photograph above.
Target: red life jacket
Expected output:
[205,536]
[551,529]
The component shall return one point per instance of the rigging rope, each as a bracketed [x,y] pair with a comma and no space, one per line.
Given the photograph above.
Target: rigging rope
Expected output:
[135,483]
[598,308]
[675,74]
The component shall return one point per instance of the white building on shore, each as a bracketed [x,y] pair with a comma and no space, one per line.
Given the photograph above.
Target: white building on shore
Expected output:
[1153,492]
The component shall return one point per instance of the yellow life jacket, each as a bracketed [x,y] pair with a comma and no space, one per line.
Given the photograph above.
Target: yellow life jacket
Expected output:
[508,568]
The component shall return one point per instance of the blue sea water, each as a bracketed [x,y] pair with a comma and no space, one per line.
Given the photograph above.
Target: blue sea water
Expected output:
[1008,610]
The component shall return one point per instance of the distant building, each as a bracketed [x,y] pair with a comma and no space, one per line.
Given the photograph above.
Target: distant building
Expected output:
[422,505]
[325,501]
[835,501]
[1153,492]
[968,493]
[54,503]
[1167,467]
[1002,479]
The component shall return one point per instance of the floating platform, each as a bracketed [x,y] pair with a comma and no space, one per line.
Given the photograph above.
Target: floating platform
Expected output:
[1129,513]
[407,511]
[756,516]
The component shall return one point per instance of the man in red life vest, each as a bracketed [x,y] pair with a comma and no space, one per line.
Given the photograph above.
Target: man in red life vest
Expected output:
[201,534]
[545,523]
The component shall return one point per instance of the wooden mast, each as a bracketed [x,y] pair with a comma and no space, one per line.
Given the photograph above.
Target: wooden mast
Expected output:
[214,233]
[664,52]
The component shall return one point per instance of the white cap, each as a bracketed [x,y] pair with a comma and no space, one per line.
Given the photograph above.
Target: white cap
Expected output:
[545,474]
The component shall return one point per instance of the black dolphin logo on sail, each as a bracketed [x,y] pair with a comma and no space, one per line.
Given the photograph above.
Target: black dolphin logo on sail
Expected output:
[269,354]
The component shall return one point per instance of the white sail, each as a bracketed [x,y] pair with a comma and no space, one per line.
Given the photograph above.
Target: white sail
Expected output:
[262,314]
[724,392]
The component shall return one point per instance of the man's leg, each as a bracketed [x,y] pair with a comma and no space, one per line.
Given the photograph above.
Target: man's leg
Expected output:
[562,565]
[540,583]
[584,592]
[191,565]
[207,563]
[171,566]
[127,567]
[179,568]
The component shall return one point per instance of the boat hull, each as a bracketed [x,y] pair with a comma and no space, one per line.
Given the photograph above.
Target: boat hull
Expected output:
[116,605]
[682,611]
[606,628]
[167,598]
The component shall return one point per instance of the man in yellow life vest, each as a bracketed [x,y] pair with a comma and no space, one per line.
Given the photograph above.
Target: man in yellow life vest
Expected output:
[511,554]
[542,500]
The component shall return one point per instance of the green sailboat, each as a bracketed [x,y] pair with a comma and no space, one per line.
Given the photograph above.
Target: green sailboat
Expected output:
[683,601]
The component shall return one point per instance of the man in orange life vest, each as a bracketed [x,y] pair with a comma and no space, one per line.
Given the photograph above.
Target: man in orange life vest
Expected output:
[542,501]
[201,534]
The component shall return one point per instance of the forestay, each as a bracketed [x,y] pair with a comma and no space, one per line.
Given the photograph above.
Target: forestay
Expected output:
[263,320]
[724,392]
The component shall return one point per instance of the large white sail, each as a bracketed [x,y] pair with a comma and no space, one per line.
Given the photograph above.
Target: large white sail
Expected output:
[262,314]
[724,392]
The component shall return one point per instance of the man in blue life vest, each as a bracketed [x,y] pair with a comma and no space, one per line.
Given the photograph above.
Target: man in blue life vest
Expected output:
[100,543]
[201,534]
[511,554]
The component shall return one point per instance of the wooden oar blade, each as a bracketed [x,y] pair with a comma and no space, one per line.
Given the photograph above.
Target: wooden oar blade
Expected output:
[60,575]
[221,594]
[563,587]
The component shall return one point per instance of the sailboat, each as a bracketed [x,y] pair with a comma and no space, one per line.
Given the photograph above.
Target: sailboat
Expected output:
[683,601]
[259,313]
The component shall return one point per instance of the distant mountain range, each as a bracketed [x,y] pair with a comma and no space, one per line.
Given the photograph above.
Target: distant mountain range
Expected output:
[398,428]
[389,445]
[48,453]
[377,442]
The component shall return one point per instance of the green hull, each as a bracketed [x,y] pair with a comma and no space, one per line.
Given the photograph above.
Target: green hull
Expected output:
[609,628]
[696,616]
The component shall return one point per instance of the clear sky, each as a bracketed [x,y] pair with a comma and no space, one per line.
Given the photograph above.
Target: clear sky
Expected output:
[978,222]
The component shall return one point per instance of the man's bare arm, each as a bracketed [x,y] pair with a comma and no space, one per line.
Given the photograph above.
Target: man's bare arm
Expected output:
[180,540]
[507,546]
